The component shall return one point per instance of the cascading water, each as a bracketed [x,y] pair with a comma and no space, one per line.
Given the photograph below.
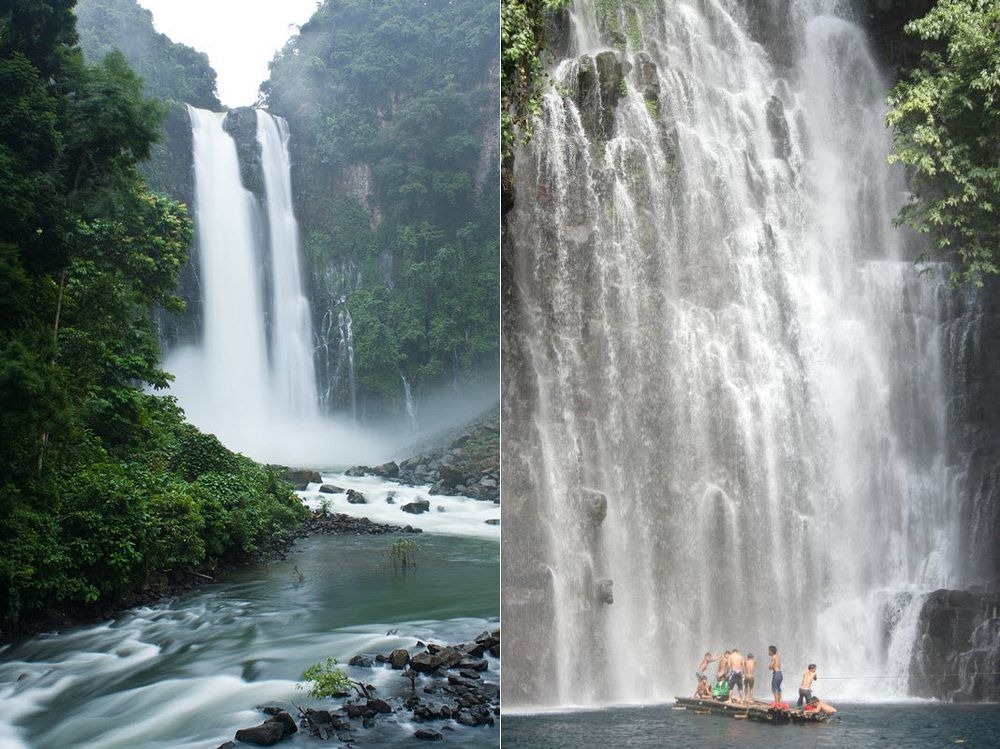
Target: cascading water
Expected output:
[226,376]
[251,383]
[724,395]
[411,410]
[292,359]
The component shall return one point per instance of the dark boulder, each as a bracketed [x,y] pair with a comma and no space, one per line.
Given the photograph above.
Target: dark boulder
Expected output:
[380,706]
[300,478]
[285,720]
[362,661]
[441,488]
[957,649]
[425,663]
[330,489]
[426,735]
[356,497]
[450,475]
[399,658]
[389,470]
[267,733]
[593,503]
[416,507]
[355,711]
[646,77]
[778,127]
[450,657]
[475,664]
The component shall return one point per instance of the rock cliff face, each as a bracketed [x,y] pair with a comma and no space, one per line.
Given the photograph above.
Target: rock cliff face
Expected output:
[975,419]
[956,656]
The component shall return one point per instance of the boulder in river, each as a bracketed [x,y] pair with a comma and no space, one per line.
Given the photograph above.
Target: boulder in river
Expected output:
[330,489]
[270,732]
[300,478]
[416,507]
[398,658]
[379,706]
[425,735]
[425,663]
[450,475]
[390,470]
[356,498]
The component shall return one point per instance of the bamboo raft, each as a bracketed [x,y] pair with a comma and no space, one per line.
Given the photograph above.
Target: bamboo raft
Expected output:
[761,712]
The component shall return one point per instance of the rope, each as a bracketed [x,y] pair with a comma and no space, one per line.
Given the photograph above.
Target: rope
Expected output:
[904,676]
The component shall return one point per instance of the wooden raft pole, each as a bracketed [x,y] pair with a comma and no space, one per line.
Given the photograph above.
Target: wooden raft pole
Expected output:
[762,712]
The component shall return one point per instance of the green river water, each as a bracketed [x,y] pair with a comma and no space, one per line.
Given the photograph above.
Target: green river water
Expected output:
[188,672]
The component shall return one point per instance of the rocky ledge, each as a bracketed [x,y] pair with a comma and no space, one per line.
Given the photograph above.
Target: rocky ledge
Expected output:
[956,656]
[466,465]
[448,685]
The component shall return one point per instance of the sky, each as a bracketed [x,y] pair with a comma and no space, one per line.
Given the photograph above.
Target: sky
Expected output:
[240,37]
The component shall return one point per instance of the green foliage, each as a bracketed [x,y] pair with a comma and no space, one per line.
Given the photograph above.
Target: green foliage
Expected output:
[403,554]
[522,40]
[102,484]
[170,71]
[329,681]
[392,110]
[945,117]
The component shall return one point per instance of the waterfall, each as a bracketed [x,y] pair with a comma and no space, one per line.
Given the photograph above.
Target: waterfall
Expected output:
[223,382]
[238,382]
[724,395]
[411,411]
[292,360]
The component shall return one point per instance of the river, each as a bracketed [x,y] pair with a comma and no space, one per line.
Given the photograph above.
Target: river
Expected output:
[902,725]
[189,671]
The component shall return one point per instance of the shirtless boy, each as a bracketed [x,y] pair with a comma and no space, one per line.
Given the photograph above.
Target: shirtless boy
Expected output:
[816,704]
[703,691]
[776,676]
[703,666]
[748,666]
[805,690]
[723,666]
[736,675]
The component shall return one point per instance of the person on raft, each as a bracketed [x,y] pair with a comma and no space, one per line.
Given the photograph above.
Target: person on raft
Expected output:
[703,666]
[748,679]
[721,689]
[776,676]
[703,691]
[736,675]
[805,689]
[816,705]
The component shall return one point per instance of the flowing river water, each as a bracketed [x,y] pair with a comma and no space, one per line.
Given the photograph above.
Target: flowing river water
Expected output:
[189,672]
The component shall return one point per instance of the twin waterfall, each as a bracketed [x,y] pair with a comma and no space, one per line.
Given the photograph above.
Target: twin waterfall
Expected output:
[251,376]
[725,395]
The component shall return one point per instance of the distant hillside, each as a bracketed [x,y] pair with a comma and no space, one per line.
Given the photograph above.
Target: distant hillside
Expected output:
[170,71]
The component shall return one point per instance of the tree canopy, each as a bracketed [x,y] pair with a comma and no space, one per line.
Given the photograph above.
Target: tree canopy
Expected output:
[946,120]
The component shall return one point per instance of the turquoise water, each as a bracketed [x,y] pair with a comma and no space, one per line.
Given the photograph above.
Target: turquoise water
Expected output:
[189,672]
[896,726]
